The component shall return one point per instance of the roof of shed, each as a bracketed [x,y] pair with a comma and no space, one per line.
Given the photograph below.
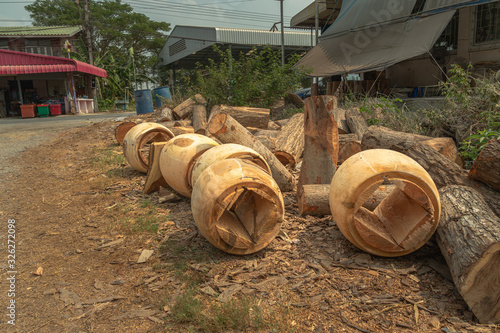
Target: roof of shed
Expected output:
[64,31]
[188,45]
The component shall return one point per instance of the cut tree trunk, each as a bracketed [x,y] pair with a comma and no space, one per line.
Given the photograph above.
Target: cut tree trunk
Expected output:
[154,178]
[185,109]
[185,122]
[348,149]
[274,126]
[200,119]
[383,137]
[122,130]
[228,130]
[291,137]
[344,138]
[321,142]
[166,114]
[247,116]
[286,159]
[313,200]
[469,239]
[282,122]
[444,173]
[357,124]
[486,167]
[268,142]
[295,100]
[269,133]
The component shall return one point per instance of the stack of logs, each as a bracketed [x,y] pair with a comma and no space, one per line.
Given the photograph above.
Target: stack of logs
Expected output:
[326,136]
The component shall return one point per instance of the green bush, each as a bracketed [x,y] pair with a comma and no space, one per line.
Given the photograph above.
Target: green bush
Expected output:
[256,79]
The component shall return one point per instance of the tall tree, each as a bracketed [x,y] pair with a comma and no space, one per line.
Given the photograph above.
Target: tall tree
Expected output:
[115,28]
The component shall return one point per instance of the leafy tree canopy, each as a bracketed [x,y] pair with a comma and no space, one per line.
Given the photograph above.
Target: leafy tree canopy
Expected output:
[115,28]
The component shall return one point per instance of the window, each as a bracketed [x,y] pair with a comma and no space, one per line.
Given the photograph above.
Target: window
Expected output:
[38,46]
[449,37]
[488,22]
[4,44]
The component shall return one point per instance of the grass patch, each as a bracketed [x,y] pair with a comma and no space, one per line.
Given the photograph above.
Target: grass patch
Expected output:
[147,219]
[108,161]
[236,315]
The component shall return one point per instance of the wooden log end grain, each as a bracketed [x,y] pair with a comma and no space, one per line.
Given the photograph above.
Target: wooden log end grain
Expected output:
[469,239]
[486,167]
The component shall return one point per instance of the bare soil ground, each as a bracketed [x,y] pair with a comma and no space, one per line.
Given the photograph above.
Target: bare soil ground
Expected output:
[80,216]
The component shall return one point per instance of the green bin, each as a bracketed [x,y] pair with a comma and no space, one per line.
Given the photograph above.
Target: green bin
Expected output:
[43,110]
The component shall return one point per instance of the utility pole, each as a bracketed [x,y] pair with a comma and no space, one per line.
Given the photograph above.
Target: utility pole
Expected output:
[90,50]
[282,36]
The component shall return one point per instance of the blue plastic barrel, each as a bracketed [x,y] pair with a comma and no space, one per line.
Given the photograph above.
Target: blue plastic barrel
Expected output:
[143,101]
[161,94]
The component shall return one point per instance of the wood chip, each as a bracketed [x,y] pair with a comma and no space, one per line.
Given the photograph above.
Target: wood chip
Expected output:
[38,271]
[113,243]
[227,294]
[145,255]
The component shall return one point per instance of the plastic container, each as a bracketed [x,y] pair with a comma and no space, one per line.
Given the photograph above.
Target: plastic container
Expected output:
[43,110]
[28,110]
[55,109]
[161,95]
[143,101]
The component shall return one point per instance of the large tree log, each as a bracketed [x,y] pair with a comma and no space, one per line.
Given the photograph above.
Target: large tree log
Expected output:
[247,116]
[486,167]
[200,119]
[383,137]
[291,137]
[267,141]
[295,100]
[185,109]
[339,116]
[469,239]
[313,199]
[357,124]
[444,172]
[228,130]
[178,130]
[269,133]
[321,142]
[154,178]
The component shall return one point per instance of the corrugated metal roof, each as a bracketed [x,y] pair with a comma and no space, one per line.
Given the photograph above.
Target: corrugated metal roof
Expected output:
[13,63]
[40,31]
[327,13]
[186,41]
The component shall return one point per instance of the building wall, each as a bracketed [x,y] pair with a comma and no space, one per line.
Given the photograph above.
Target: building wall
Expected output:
[423,71]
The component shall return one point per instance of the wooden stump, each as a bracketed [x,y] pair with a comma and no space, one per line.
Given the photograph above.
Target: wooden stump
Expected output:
[154,178]
[313,200]
[486,167]
[185,109]
[291,137]
[469,239]
[228,130]
[122,130]
[321,143]
[166,114]
[200,119]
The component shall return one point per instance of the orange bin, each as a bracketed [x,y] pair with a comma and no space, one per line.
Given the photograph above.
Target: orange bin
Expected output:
[28,110]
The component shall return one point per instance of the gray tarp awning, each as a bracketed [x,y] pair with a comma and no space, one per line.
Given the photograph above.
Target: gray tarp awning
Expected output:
[372,35]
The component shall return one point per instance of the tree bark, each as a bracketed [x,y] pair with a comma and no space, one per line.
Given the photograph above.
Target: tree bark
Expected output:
[385,138]
[247,116]
[228,130]
[122,130]
[357,124]
[166,114]
[269,133]
[154,178]
[321,142]
[313,199]
[339,116]
[295,100]
[200,119]
[267,141]
[444,172]
[486,167]
[185,109]
[348,149]
[291,137]
[469,239]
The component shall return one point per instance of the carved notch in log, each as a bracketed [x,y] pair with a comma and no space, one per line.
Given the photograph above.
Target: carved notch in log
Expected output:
[154,178]
[226,129]
[469,239]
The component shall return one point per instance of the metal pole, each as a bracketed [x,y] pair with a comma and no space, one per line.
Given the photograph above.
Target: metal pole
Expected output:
[316,24]
[282,36]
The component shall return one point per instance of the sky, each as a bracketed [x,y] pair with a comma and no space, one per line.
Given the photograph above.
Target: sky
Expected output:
[247,14]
